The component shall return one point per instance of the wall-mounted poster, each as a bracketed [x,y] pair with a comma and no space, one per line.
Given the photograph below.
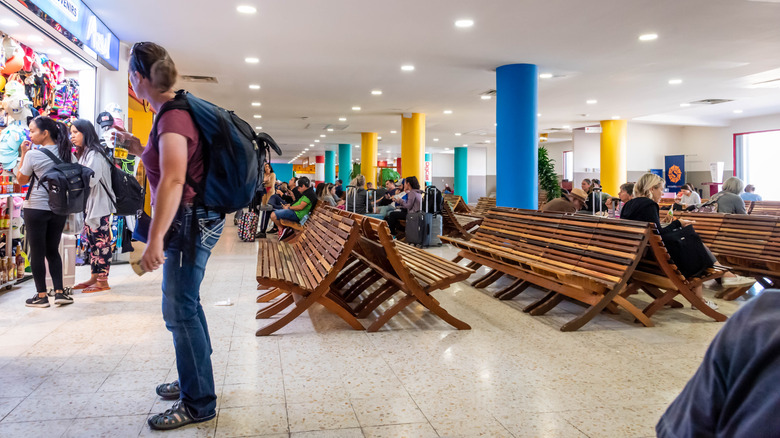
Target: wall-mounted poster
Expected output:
[675,172]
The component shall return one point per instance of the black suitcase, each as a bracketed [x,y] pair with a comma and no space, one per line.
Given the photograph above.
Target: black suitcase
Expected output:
[416,228]
[432,208]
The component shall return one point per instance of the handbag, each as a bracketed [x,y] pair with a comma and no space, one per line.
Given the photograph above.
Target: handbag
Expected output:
[687,250]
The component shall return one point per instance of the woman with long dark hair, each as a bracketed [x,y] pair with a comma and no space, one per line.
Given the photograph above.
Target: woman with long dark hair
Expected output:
[44,228]
[172,157]
[100,205]
[269,182]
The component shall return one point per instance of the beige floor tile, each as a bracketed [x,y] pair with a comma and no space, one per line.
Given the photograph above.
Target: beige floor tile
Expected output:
[7,404]
[257,394]
[134,381]
[486,427]
[321,416]
[382,410]
[107,404]
[106,427]
[57,407]
[71,383]
[53,428]
[314,390]
[534,424]
[251,421]
[207,429]
[416,430]
[338,433]
[635,421]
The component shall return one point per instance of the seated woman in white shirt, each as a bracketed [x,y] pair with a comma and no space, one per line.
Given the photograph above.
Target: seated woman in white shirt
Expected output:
[688,196]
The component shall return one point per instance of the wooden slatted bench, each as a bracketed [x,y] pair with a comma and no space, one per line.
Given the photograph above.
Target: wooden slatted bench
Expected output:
[297,226]
[457,204]
[750,245]
[306,268]
[585,258]
[457,225]
[483,206]
[768,208]
[393,267]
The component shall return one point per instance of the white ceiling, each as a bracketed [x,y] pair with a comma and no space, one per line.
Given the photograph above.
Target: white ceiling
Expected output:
[319,58]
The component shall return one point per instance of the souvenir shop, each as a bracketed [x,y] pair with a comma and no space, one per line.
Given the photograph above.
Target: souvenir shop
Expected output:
[51,55]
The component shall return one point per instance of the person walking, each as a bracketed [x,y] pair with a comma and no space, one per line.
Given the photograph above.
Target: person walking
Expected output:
[173,155]
[100,205]
[44,228]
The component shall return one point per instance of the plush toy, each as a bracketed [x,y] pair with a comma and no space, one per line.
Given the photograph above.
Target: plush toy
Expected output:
[14,56]
[29,58]
[17,108]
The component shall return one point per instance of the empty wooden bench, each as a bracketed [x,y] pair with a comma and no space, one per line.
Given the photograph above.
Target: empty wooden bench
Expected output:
[767,208]
[395,267]
[457,204]
[585,258]
[750,245]
[457,225]
[483,206]
[306,268]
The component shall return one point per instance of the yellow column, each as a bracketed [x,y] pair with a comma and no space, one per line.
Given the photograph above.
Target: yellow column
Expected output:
[413,146]
[369,144]
[613,155]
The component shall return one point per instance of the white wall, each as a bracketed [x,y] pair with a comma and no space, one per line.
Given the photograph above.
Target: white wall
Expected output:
[649,144]
[477,161]
[587,151]
[112,85]
[555,151]
[443,165]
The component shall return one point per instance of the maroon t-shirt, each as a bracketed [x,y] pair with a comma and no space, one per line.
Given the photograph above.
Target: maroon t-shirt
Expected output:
[178,122]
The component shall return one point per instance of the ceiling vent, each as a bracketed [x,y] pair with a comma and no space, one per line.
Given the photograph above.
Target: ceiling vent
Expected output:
[711,101]
[199,79]
[326,126]
[491,93]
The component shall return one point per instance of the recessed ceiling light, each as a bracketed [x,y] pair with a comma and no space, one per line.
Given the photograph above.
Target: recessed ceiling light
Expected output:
[322,135]
[538,114]
[487,141]
[306,149]
[684,105]
[316,141]
[615,117]
[259,128]
[342,119]
[408,67]
[495,124]
[457,134]
[393,132]
[675,81]
[435,139]
[376,92]
[357,145]
[738,111]
[464,145]
[447,111]
[464,23]
[566,127]
[8,22]
[485,97]
[648,37]
[591,101]
[355,108]
[254,87]
[256,104]
[330,129]
[246,9]
[258,116]
[388,151]
[311,145]
[379,138]
[251,60]
[545,76]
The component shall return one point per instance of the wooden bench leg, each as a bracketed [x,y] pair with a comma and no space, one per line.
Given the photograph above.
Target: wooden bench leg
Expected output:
[270,295]
[657,293]
[488,279]
[275,308]
[375,299]
[336,298]
[641,317]
[512,290]
[360,286]
[545,304]
[391,312]
[347,275]
[342,312]
[457,259]
[733,293]
[474,265]
[297,310]
[434,307]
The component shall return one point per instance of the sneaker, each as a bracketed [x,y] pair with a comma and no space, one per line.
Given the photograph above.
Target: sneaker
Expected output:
[66,297]
[285,233]
[738,281]
[37,301]
[712,305]
[260,235]
[280,232]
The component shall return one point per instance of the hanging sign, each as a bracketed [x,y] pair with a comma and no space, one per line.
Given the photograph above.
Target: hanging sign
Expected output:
[77,22]
[675,172]
[428,176]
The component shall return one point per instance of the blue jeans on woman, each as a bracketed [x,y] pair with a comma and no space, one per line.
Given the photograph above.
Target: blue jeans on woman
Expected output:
[183,271]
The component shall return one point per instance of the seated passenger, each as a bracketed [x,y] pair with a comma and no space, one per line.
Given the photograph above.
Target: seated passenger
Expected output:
[626,194]
[412,204]
[282,196]
[386,203]
[357,196]
[570,202]
[728,198]
[447,190]
[586,185]
[294,213]
[326,194]
[688,196]
[731,393]
[749,194]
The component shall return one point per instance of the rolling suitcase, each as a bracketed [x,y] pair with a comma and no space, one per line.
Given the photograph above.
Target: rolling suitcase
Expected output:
[68,254]
[247,226]
[352,206]
[416,228]
[433,217]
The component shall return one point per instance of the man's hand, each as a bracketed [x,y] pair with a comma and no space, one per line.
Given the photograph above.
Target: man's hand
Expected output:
[127,141]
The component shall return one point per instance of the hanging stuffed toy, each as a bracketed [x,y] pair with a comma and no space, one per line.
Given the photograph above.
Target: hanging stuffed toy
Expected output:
[14,56]
[16,107]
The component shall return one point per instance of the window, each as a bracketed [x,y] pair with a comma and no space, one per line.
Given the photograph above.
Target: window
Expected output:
[568,165]
[757,155]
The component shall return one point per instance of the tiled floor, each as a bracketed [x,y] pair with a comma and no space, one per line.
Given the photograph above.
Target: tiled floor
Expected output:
[90,369]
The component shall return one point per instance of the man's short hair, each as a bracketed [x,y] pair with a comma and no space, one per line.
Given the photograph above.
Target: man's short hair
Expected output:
[303,182]
[340,181]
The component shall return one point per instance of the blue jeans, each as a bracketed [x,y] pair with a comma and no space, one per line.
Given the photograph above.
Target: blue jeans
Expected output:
[287,215]
[183,272]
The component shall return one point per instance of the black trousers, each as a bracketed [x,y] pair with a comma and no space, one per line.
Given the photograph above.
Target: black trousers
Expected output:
[393,219]
[43,232]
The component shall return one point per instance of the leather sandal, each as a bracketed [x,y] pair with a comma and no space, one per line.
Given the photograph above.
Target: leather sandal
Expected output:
[95,288]
[83,285]
[177,416]
[169,391]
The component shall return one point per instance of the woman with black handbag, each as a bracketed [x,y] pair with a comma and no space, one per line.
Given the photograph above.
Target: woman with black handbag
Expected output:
[685,247]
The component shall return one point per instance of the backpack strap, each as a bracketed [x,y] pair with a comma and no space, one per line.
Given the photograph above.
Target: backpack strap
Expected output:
[53,157]
[34,177]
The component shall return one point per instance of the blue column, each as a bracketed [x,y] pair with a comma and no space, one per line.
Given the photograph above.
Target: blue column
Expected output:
[330,166]
[345,162]
[462,173]
[517,140]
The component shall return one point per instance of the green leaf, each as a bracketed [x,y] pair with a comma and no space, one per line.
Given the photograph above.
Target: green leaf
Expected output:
[548,180]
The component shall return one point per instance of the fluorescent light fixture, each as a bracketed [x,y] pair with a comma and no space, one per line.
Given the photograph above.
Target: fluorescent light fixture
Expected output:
[254,87]
[487,141]
[258,116]
[446,149]
[357,145]
[615,117]
[376,92]
[648,37]
[330,129]
[447,111]
[485,97]
[675,81]
[464,23]
[256,104]
[311,145]
[260,128]
[322,135]
[435,139]
[305,150]
[566,127]
[316,141]
[388,151]
[538,114]
[546,76]
[342,119]
[407,67]
[738,111]
[355,108]
[393,132]
[246,9]
[457,134]
[685,105]
[251,60]
[464,145]
[379,138]
[591,101]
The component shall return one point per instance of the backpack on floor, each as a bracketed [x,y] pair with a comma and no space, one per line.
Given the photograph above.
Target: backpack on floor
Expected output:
[67,184]
[233,154]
